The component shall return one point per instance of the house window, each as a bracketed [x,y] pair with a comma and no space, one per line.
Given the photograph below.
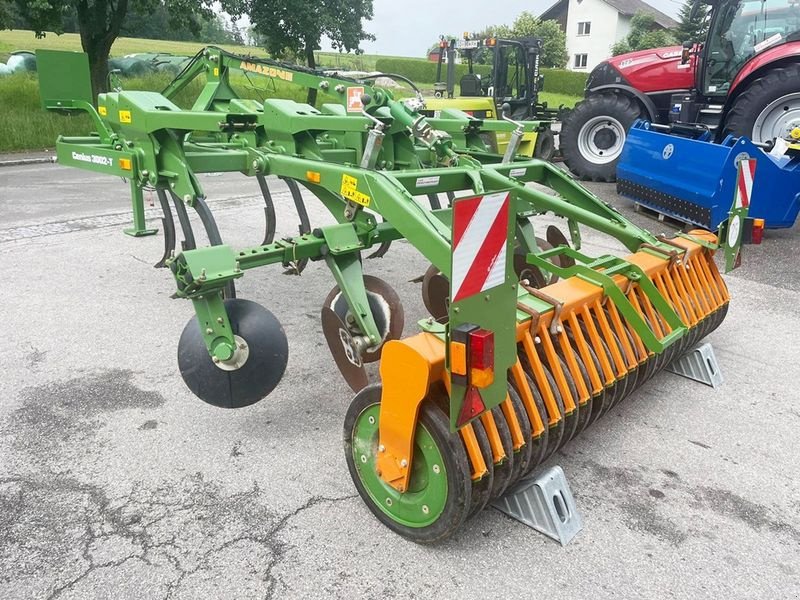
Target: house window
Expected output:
[584,28]
[581,60]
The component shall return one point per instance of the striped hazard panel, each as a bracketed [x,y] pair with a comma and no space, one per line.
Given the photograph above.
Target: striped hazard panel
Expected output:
[480,227]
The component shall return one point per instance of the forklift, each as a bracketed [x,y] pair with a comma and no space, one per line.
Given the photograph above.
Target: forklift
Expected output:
[511,90]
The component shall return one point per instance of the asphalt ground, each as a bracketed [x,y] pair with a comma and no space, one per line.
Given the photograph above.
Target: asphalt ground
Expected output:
[116,482]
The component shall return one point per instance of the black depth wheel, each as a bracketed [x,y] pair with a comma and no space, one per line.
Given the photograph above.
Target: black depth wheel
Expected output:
[257,367]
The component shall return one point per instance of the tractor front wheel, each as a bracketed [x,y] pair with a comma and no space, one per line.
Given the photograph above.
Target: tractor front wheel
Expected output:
[593,133]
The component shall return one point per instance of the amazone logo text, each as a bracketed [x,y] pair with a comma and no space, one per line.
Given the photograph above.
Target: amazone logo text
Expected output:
[267,70]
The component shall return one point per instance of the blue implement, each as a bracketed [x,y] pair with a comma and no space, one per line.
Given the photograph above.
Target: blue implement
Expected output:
[683,174]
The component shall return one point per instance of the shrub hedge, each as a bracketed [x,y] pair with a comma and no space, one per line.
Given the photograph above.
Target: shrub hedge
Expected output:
[421,70]
[561,81]
[557,81]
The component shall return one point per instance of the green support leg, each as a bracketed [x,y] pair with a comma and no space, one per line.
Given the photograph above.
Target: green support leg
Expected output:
[346,270]
[139,228]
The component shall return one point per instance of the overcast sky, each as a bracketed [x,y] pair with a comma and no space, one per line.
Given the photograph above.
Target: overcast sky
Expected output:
[409,27]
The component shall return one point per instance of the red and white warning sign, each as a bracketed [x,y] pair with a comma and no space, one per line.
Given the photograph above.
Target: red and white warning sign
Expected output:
[354,103]
[741,203]
[744,182]
[480,238]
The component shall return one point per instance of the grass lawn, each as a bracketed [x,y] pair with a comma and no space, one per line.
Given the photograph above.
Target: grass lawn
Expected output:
[24,125]
[555,100]
[17,39]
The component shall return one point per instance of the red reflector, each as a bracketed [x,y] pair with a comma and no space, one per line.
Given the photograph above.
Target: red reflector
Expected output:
[472,407]
[481,349]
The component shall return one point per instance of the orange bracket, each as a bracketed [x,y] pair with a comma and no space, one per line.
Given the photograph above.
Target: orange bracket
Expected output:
[408,367]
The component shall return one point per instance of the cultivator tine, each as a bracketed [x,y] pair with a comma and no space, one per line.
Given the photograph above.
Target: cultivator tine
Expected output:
[382,249]
[188,242]
[214,237]
[519,429]
[168,223]
[296,267]
[482,486]
[269,211]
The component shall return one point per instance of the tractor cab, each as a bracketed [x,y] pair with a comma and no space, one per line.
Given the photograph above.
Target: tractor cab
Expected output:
[739,30]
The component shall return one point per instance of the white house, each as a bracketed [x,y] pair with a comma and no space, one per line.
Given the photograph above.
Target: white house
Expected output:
[593,26]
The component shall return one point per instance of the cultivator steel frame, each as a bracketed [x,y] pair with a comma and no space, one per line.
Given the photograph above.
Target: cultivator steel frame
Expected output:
[531,342]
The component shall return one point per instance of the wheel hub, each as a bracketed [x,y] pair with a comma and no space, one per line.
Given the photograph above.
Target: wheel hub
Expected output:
[426,497]
[604,139]
[778,119]
[601,138]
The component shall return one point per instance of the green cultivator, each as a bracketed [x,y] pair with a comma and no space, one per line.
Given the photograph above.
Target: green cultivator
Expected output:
[529,341]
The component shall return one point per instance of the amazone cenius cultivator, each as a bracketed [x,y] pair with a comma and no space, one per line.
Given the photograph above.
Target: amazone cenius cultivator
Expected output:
[529,339]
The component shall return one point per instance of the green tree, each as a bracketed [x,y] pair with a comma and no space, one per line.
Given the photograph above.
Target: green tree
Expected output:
[295,27]
[100,22]
[644,34]
[6,15]
[692,27]
[554,50]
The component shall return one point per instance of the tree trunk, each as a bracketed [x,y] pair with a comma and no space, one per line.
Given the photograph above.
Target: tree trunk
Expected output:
[98,68]
[99,27]
[312,92]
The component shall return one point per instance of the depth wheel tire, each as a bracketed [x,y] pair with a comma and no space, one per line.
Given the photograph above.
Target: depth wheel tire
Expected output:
[769,107]
[439,495]
[593,133]
[260,370]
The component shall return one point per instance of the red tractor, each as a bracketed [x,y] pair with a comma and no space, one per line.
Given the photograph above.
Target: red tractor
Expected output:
[743,80]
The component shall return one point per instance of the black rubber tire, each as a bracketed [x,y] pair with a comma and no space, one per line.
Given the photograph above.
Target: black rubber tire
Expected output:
[757,96]
[620,106]
[256,378]
[545,145]
[455,460]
